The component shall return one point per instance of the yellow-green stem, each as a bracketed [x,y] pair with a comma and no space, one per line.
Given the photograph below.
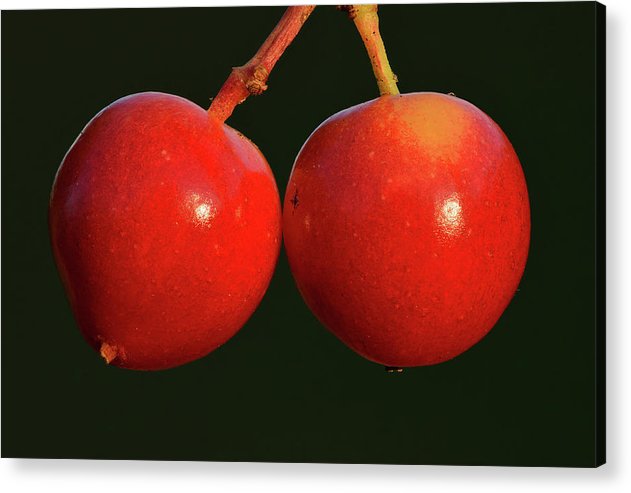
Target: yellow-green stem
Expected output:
[367,22]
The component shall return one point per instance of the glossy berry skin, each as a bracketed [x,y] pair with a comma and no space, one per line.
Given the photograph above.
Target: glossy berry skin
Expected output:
[407,225]
[165,226]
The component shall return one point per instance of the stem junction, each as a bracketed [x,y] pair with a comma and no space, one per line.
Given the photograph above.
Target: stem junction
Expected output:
[251,78]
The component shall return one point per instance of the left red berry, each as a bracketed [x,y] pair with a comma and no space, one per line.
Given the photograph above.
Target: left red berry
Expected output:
[165,226]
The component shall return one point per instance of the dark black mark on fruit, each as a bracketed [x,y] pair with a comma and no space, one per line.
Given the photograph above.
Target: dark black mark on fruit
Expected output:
[294,201]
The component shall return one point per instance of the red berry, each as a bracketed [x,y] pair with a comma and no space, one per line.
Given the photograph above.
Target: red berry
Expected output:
[165,225]
[407,226]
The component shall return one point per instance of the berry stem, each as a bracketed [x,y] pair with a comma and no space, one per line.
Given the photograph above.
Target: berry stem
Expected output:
[251,78]
[366,20]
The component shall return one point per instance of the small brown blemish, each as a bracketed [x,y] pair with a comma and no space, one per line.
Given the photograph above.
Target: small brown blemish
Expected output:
[294,201]
[108,352]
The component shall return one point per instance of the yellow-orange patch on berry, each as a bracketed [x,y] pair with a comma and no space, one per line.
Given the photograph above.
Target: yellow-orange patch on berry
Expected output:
[437,123]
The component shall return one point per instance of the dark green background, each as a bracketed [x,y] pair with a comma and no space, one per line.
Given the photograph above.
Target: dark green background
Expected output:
[284,389]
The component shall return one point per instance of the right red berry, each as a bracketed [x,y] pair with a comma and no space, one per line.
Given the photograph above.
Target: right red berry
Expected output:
[407,226]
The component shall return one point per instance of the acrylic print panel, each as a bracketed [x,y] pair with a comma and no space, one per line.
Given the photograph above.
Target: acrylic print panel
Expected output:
[284,388]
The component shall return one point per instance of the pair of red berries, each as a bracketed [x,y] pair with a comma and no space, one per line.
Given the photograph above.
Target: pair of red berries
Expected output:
[406,224]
